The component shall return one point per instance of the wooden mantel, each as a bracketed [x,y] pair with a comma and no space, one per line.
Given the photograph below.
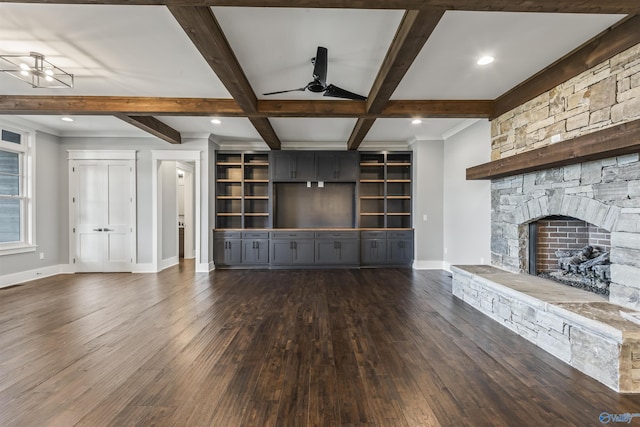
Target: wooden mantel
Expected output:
[610,142]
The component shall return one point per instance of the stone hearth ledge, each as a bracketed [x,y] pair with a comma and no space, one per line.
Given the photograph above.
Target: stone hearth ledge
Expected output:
[580,328]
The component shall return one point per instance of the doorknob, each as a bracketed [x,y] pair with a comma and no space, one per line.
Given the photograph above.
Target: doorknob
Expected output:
[97,229]
[108,229]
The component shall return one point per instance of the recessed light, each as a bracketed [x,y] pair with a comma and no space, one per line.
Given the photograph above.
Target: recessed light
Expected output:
[216,121]
[485,60]
[66,119]
[416,121]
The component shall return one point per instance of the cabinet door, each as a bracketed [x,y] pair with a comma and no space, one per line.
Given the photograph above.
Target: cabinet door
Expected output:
[327,252]
[337,252]
[336,166]
[281,252]
[304,166]
[255,251]
[348,252]
[282,166]
[400,251]
[303,252]
[374,251]
[293,166]
[228,252]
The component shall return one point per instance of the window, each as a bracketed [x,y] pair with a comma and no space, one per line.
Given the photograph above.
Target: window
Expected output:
[16,198]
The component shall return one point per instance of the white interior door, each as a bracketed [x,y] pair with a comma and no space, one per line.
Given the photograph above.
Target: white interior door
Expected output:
[102,200]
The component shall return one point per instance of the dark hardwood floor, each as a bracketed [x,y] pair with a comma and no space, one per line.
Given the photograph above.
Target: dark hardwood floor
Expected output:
[379,347]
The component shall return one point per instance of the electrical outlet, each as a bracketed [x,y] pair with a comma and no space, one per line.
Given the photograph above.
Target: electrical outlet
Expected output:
[41,255]
[424,217]
[556,138]
[445,250]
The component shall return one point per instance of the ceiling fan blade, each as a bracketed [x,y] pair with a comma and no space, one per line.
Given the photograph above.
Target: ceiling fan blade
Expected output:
[320,66]
[337,92]
[285,91]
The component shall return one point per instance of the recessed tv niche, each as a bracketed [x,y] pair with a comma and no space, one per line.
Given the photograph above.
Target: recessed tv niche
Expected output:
[298,206]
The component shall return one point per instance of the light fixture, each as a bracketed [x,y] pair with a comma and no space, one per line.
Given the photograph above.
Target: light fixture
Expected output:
[33,69]
[66,119]
[416,121]
[485,60]
[216,121]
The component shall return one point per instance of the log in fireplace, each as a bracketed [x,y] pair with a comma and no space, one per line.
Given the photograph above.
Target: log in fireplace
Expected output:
[572,252]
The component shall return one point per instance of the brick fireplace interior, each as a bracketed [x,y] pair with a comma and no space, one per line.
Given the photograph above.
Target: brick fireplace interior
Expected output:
[554,234]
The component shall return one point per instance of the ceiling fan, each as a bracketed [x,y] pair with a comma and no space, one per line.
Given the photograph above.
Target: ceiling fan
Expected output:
[319,83]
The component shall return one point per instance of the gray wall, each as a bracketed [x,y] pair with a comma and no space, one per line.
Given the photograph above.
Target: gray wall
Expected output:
[467,204]
[167,181]
[427,200]
[48,213]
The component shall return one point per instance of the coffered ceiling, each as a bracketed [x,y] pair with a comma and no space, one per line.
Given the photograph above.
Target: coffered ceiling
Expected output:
[168,67]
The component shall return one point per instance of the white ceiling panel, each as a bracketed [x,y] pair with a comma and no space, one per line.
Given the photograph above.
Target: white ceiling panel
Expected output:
[521,43]
[229,129]
[313,130]
[403,130]
[86,126]
[275,45]
[112,50]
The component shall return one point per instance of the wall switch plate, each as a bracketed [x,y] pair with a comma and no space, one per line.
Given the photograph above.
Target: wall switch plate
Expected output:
[556,138]
[320,184]
[41,255]
[424,217]
[308,184]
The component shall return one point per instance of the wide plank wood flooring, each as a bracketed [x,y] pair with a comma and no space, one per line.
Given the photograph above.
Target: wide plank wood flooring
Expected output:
[379,347]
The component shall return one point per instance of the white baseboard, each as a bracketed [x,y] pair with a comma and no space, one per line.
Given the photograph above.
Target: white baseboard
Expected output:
[38,273]
[144,268]
[169,262]
[205,267]
[447,266]
[428,265]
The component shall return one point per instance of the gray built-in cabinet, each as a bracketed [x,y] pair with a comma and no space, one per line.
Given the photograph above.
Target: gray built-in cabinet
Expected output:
[314,166]
[333,208]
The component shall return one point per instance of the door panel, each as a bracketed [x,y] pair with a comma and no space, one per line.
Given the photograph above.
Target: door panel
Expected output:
[102,200]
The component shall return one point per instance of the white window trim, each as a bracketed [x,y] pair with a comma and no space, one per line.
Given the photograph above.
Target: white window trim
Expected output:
[27,149]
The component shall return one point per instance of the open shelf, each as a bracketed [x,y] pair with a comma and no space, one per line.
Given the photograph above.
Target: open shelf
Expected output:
[385,190]
[242,190]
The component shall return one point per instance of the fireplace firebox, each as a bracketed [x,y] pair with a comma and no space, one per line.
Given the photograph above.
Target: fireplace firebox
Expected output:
[571,251]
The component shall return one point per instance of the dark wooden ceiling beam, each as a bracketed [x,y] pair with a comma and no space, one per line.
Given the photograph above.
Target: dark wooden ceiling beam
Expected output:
[111,105]
[413,32]
[611,142]
[358,133]
[204,31]
[480,109]
[144,106]
[154,127]
[617,39]
[552,6]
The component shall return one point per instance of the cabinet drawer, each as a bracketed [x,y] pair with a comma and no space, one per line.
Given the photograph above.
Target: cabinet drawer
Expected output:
[255,235]
[292,234]
[400,234]
[373,234]
[227,234]
[336,235]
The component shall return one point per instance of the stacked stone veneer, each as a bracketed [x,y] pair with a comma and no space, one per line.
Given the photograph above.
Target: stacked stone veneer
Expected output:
[604,96]
[605,193]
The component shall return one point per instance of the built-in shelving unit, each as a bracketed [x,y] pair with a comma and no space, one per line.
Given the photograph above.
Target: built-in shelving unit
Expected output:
[242,190]
[385,190]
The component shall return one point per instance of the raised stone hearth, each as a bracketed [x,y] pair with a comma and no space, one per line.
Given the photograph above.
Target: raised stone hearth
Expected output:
[583,329]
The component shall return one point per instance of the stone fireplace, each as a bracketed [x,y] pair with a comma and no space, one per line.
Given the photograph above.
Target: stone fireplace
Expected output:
[603,193]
